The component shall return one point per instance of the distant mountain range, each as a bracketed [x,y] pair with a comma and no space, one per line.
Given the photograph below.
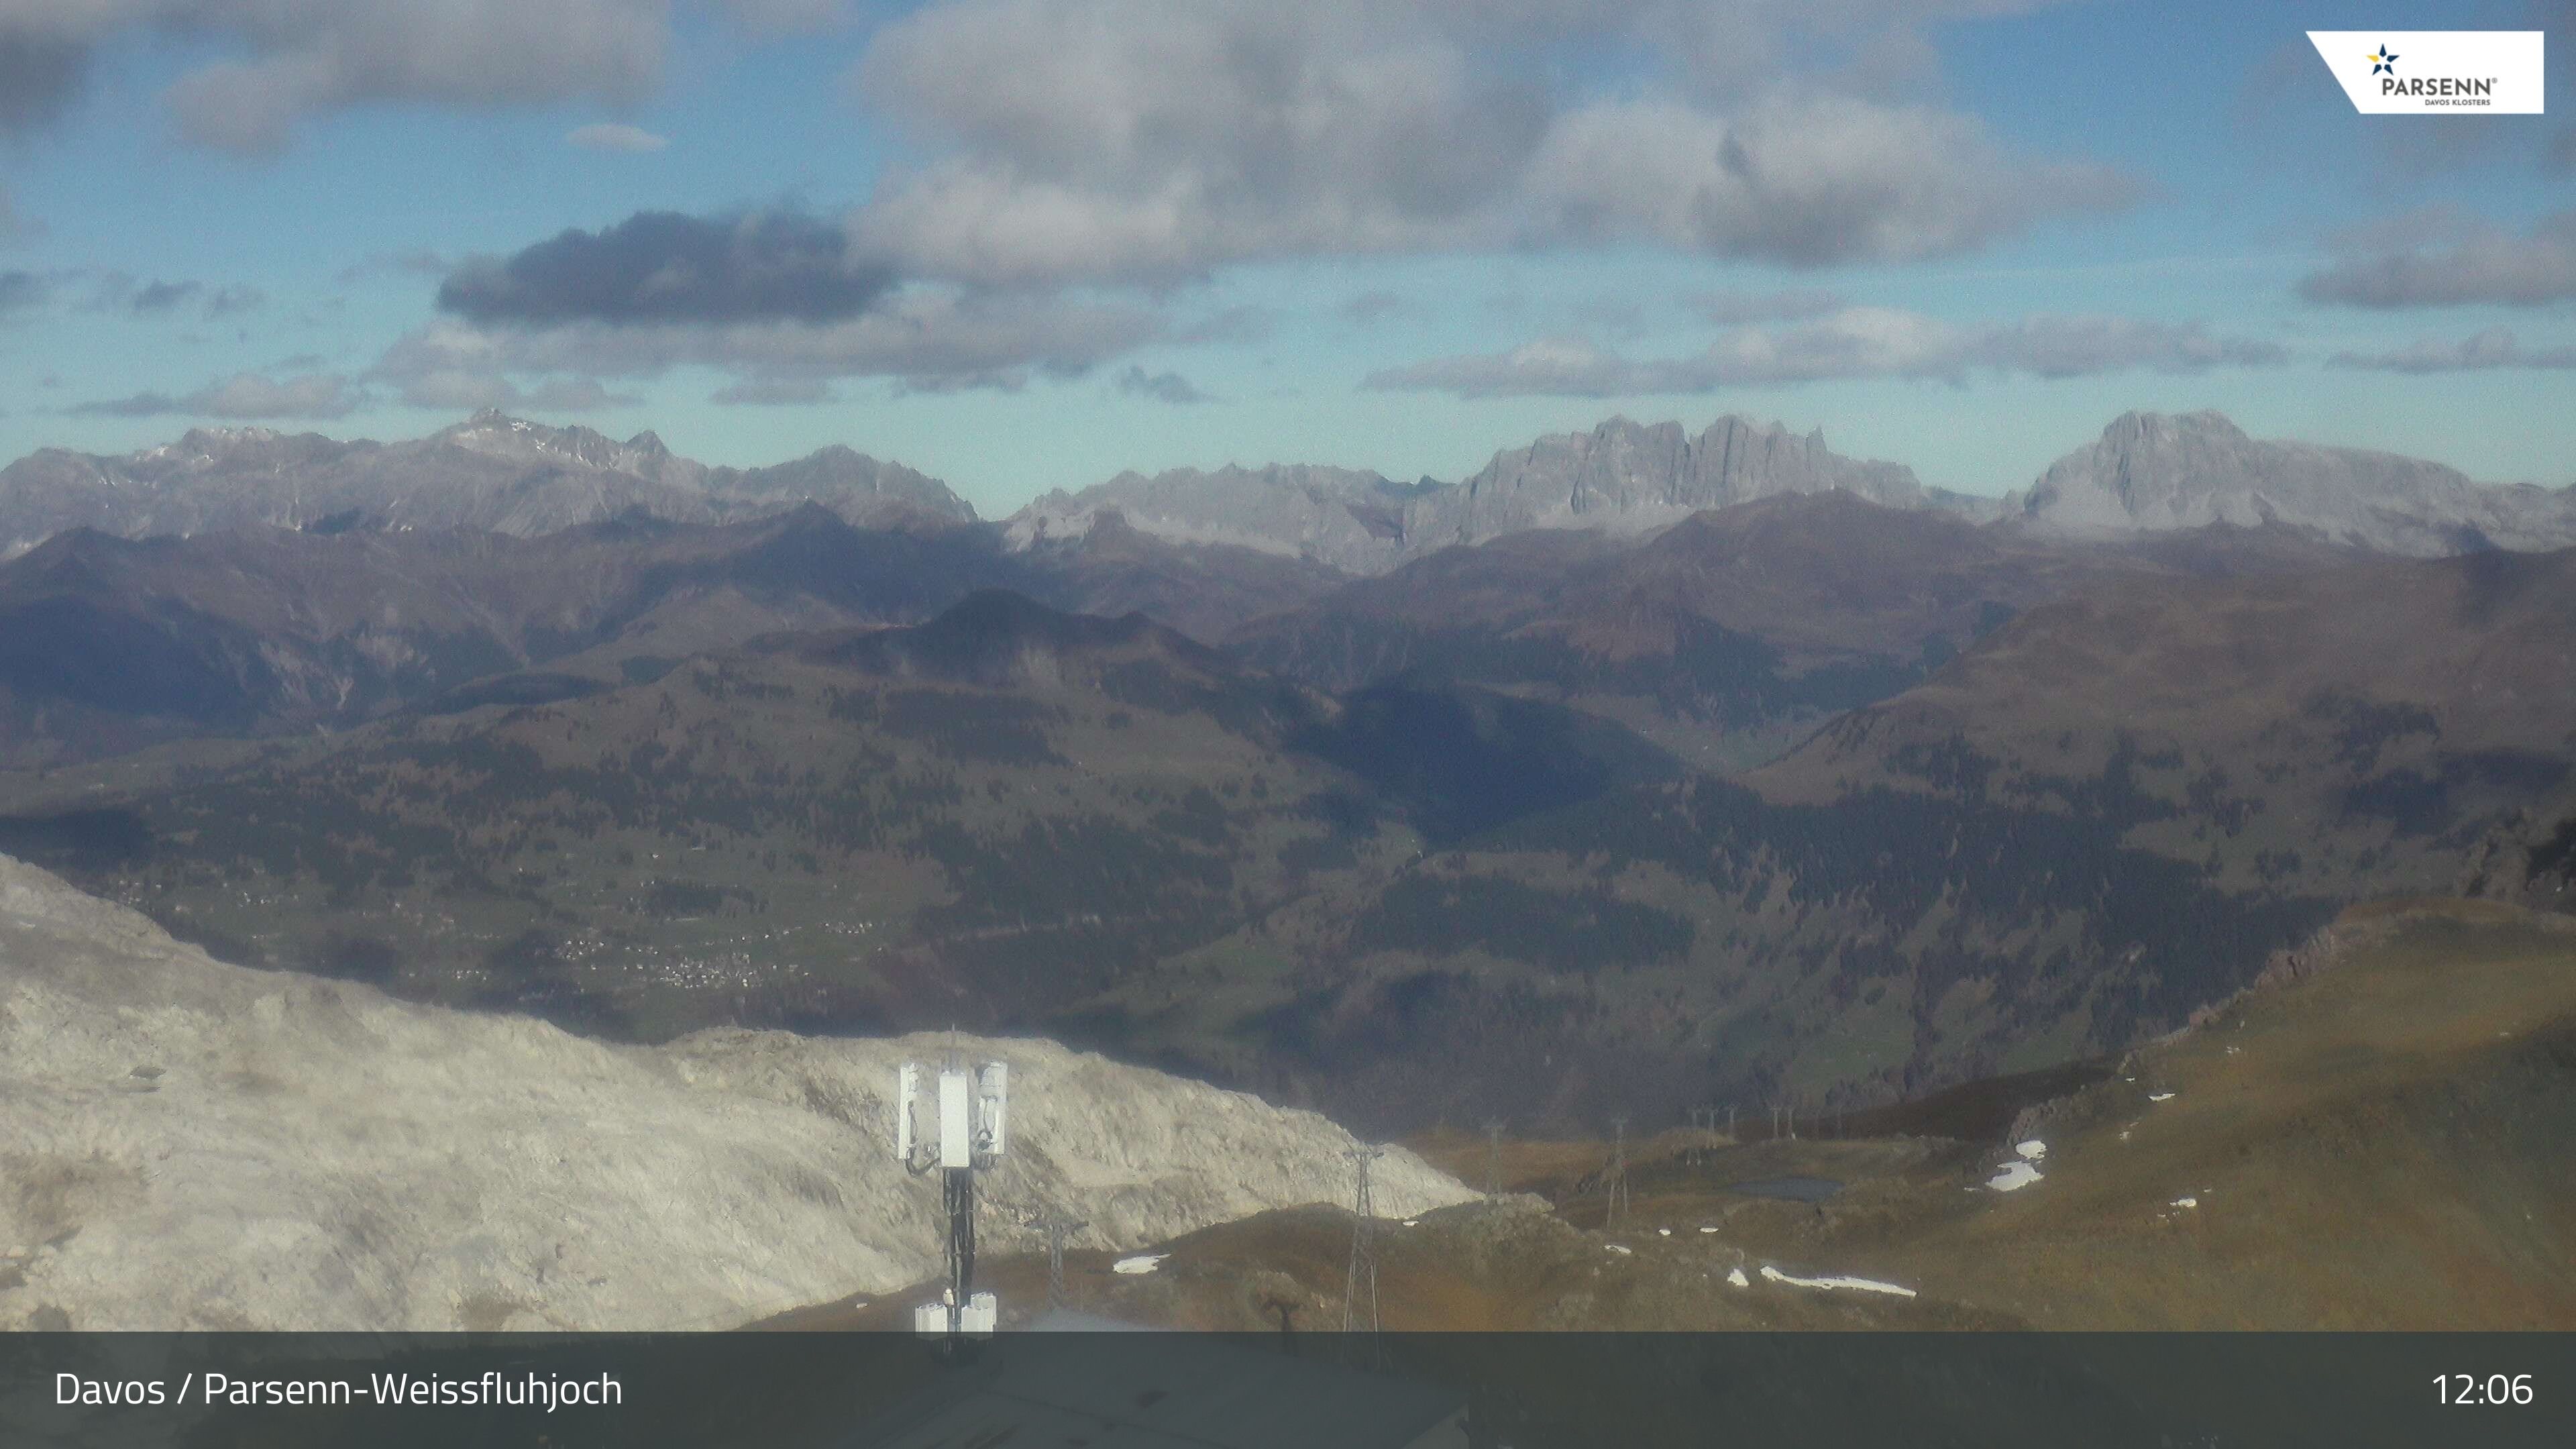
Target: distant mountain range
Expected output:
[490,472]
[2158,472]
[1708,765]
[2148,473]
[1621,478]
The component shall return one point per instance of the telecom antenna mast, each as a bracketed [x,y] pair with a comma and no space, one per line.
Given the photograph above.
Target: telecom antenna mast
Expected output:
[967,1113]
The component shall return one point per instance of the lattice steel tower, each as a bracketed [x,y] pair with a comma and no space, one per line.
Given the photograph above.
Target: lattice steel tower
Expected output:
[1617,1176]
[1363,1245]
[1056,1225]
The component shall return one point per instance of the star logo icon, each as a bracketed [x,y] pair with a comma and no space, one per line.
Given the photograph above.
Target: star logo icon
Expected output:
[2381,60]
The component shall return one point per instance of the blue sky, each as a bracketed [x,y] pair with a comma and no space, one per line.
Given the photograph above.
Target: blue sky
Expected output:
[1085,235]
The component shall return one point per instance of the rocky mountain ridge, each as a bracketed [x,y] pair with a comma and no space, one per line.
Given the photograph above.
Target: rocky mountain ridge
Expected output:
[2159,472]
[2148,474]
[1623,478]
[192,1145]
[491,472]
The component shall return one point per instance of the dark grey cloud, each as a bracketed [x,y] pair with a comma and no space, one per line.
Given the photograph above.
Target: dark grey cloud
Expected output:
[40,75]
[23,291]
[667,266]
[121,291]
[2435,259]
[926,338]
[245,395]
[2494,349]
[234,298]
[1168,387]
[163,296]
[1855,342]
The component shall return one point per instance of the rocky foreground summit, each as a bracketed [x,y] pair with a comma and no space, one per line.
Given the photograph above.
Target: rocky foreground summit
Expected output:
[186,1144]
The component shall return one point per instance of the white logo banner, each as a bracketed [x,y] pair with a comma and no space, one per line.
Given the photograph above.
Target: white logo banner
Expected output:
[2435,72]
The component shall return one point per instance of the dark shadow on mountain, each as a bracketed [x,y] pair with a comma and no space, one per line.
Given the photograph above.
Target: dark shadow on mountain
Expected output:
[77,840]
[1460,760]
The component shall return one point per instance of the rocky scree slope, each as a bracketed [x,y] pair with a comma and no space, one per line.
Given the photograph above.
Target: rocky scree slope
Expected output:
[186,1144]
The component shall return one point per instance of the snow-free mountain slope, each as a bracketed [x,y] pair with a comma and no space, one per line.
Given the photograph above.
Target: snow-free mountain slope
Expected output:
[491,472]
[189,1144]
[2154,472]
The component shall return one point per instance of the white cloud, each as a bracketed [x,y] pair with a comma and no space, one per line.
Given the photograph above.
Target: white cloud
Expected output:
[615,136]
[244,395]
[1150,140]
[1851,343]
[1813,180]
[2493,349]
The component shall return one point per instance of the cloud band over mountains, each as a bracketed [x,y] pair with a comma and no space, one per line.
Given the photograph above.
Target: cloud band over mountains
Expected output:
[1855,342]
[2435,260]
[2494,349]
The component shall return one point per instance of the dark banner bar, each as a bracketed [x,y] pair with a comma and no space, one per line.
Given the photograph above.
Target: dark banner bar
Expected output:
[1121,1390]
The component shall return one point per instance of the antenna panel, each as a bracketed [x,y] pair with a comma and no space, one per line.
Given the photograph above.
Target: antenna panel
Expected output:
[907,1085]
[993,1091]
[956,1118]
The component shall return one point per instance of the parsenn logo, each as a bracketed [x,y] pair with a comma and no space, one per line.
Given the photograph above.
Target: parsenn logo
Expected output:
[2447,72]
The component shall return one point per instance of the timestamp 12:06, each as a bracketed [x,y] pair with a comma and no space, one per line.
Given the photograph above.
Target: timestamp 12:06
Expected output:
[2492,1389]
